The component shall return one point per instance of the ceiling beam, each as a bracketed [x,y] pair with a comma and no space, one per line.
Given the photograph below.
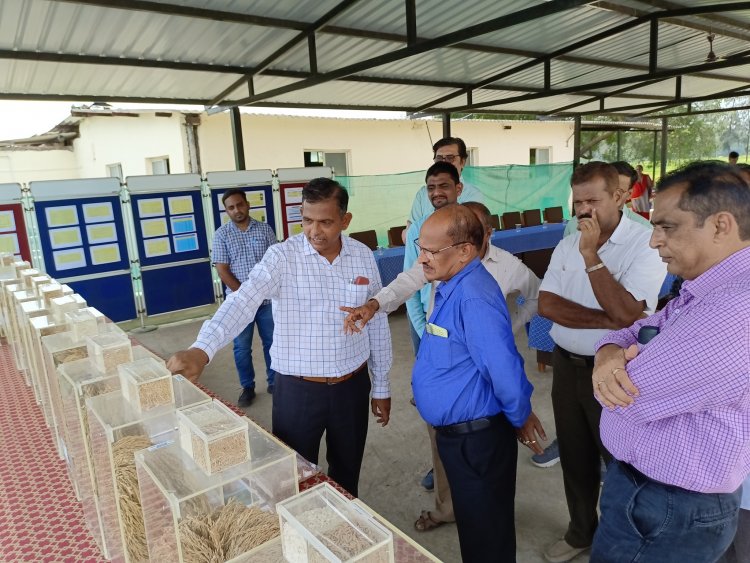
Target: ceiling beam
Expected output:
[626,26]
[661,74]
[508,20]
[308,32]
[168,9]
[621,92]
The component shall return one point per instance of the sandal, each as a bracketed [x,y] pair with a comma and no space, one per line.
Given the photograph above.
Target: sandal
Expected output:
[426,522]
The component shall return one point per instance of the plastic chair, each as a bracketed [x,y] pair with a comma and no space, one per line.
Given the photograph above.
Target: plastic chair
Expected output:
[532,217]
[553,214]
[495,222]
[511,219]
[394,236]
[368,238]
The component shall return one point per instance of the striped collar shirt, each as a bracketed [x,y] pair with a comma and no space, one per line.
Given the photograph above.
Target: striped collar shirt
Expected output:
[690,424]
[241,249]
[307,291]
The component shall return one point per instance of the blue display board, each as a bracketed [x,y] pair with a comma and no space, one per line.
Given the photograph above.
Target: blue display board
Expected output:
[260,199]
[83,238]
[171,237]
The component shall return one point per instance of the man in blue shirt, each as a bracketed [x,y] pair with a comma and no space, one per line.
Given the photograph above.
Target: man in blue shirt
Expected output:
[469,383]
[238,246]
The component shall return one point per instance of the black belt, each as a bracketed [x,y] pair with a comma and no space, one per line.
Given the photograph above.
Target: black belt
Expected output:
[577,359]
[469,426]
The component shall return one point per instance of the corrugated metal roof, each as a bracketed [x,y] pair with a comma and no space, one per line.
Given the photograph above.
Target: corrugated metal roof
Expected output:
[58,48]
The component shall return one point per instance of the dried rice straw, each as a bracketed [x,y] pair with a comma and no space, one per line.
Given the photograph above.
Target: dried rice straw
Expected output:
[131,513]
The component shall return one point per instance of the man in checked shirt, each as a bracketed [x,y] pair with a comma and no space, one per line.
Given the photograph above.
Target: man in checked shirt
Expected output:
[322,382]
[677,420]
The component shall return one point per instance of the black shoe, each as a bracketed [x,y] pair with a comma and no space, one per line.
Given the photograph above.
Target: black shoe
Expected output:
[270,389]
[246,398]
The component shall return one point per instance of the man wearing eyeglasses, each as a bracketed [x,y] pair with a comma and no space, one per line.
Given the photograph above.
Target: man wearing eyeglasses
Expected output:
[469,384]
[453,151]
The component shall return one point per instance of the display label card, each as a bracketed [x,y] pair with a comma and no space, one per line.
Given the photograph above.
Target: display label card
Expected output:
[98,234]
[153,207]
[64,238]
[293,195]
[183,224]
[258,215]
[185,243]
[9,243]
[7,221]
[293,213]
[295,228]
[98,212]
[256,199]
[104,254]
[154,227]
[180,205]
[61,216]
[157,247]
[69,259]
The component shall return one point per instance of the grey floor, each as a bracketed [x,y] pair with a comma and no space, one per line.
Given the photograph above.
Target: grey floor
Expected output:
[398,455]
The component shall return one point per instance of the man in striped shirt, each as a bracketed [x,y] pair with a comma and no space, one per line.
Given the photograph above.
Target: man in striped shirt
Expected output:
[677,420]
[322,382]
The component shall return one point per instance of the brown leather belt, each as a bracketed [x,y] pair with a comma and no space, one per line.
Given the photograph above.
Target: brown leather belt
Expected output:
[332,380]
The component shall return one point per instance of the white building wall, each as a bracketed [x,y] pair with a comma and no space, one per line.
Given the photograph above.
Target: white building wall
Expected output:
[374,146]
[25,166]
[130,141]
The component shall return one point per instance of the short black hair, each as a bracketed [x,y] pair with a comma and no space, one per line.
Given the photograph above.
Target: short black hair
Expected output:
[483,210]
[709,187]
[624,169]
[320,189]
[464,225]
[441,167]
[596,169]
[734,154]
[234,191]
[447,141]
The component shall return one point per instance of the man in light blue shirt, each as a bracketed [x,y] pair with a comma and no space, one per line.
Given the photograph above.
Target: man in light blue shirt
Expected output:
[443,188]
[469,383]
[452,150]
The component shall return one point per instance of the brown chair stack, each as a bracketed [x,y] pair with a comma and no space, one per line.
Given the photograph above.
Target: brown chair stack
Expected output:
[394,236]
[368,238]
[553,214]
[532,217]
[511,219]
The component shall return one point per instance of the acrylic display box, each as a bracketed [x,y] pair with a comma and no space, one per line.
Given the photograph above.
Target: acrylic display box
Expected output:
[85,322]
[6,279]
[26,312]
[176,492]
[50,291]
[214,436]
[61,305]
[321,524]
[41,327]
[146,384]
[26,274]
[36,282]
[109,350]
[16,329]
[116,431]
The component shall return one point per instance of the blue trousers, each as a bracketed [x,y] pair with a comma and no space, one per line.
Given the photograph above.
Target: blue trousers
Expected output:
[649,522]
[243,347]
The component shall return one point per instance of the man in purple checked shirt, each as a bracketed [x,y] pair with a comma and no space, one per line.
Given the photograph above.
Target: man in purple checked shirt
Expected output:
[677,416]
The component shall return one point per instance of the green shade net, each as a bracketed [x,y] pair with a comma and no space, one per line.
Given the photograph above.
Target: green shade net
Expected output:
[384,201]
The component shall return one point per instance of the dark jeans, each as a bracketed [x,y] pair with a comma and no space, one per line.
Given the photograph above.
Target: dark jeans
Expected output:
[243,347]
[577,417]
[649,522]
[303,410]
[739,551]
[481,471]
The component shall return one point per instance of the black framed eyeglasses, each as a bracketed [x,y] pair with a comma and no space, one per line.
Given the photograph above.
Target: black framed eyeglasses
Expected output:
[431,253]
[446,157]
